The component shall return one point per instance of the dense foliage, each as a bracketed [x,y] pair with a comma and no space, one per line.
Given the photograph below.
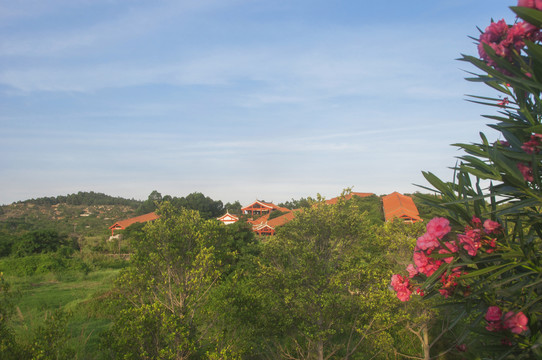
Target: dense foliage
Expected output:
[207,207]
[197,289]
[484,256]
[83,198]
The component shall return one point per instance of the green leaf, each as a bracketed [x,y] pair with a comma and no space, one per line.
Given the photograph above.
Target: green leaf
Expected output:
[532,16]
[483,271]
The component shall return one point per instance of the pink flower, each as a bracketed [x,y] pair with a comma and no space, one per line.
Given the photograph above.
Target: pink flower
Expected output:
[427,241]
[502,143]
[404,295]
[526,171]
[516,322]
[449,248]
[493,36]
[517,33]
[492,243]
[491,226]
[535,4]
[401,285]
[494,313]
[470,241]
[412,270]
[505,40]
[438,227]
[449,283]
[506,342]
[425,264]
[493,318]
[533,145]
[504,102]
[420,259]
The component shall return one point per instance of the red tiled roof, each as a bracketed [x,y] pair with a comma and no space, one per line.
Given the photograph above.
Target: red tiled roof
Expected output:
[265,205]
[400,206]
[348,197]
[263,221]
[123,224]
[281,220]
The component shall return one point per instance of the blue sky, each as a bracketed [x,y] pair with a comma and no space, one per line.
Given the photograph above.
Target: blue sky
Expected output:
[238,99]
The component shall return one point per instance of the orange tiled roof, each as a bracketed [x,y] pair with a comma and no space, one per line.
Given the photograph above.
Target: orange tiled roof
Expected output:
[264,221]
[123,224]
[267,205]
[260,220]
[348,197]
[281,220]
[400,206]
[264,204]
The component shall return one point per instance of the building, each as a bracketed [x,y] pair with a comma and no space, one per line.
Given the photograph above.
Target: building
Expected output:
[261,211]
[261,208]
[123,224]
[228,218]
[264,226]
[400,206]
[348,197]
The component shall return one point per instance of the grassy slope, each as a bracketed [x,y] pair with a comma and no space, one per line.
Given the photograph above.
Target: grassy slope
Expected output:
[39,295]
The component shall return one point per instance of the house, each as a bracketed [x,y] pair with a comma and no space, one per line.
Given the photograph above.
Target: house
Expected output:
[123,224]
[348,197]
[228,218]
[261,208]
[400,206]
[264,226]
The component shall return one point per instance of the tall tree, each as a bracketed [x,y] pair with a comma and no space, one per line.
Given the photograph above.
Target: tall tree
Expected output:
[326,284]
[162,298]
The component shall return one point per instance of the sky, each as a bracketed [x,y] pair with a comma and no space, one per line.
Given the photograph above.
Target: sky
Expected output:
[237,99]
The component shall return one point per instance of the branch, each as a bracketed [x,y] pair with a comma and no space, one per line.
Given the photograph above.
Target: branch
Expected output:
[406,356]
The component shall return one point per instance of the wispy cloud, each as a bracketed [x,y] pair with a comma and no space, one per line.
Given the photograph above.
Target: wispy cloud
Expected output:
[116,24]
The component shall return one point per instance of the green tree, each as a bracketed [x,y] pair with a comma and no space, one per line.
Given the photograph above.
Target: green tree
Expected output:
[234,208]
[161,297]
[40,241]
[297,203]
[207,207]
[51,338]
[151,204]
[324,281]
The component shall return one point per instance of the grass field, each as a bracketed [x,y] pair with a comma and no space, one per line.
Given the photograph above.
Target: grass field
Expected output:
[74,292]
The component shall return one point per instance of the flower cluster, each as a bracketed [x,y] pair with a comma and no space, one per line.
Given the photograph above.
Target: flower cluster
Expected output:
[475,237]
[526,171]
[534,145]
[506,40]
[514,322]
[402,287]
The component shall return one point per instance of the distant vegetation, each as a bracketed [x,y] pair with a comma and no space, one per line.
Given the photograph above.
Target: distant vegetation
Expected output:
[65,284]
[83,198]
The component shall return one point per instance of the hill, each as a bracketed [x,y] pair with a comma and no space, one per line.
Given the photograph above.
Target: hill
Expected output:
[84,213]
